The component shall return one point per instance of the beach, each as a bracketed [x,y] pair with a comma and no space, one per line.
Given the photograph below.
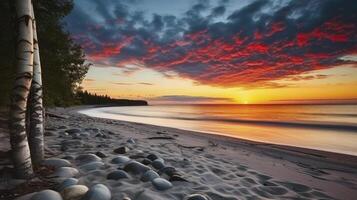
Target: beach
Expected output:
[215,166]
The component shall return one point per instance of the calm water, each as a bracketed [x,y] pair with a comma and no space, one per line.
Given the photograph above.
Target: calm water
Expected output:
[324,127]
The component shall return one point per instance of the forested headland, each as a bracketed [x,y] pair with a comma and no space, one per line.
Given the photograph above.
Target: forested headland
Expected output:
[63,61]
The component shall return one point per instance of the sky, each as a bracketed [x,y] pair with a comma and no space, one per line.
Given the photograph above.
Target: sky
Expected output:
[219,51]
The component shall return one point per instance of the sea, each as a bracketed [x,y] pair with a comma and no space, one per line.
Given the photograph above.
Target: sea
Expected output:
[323,127]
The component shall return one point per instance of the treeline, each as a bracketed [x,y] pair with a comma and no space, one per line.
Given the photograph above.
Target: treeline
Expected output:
[94,99]
[63,61]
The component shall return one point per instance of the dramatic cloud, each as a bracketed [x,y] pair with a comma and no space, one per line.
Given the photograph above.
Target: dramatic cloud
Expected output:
[256,44]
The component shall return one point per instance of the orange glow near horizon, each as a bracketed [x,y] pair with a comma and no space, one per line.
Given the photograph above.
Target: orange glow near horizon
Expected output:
[338,85]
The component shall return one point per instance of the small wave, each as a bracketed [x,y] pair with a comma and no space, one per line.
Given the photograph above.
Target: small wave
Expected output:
[298,124]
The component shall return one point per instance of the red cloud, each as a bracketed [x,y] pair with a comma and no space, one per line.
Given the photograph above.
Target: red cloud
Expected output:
[238,60]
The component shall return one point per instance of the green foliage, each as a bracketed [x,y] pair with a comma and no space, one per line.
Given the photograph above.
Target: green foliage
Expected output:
[63,61]
[94,99]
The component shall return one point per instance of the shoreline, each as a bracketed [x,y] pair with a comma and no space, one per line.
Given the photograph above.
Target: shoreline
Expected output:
[310,159]
[317,152]
[220,167]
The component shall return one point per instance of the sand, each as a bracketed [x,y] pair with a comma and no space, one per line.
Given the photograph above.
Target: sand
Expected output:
[216,166]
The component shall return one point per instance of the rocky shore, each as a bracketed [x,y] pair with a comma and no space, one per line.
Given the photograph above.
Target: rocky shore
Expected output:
[102,159]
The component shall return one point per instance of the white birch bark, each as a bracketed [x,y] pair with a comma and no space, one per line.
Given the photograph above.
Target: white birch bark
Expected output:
[36,140]
[24,71]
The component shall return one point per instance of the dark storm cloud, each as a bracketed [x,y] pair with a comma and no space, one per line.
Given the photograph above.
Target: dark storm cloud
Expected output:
[218,11]
[263,41]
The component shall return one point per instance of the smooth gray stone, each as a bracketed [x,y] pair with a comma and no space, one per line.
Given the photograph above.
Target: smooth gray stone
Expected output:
[160,159]
[66,172]
[73,130]
[26,196]
[149,176]
[47,195]
[116,175]
[74,192]
[87,158]
[56,162]
[136,167]
[62,134]
[146,161]
[158,164]
[100,154]
[131,141]
[152,157]
[196,197]
[161,184]
[120,160]
[66,183]
[121,150]
[98,192]
[91,166]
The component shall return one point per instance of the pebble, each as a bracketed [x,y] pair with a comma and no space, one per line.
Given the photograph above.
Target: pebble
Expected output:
[66,183]
[47,195]
[116,175]
[152,157]
[120,160]
[131,141]
[74,192]
[56,162]
[26,196]
[91,166]
[161,184]
[66,172]
[136,167]
[196,197]
[87,158]
[100,154]
[146,161]
[149,176]
[98,192]
[62,134]
[121,150]
[158,164]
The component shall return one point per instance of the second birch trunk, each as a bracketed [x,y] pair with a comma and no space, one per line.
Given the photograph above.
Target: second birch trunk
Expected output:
[36,140]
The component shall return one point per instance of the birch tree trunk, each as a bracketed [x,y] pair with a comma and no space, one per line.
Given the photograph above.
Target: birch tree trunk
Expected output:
[24,71]
[36,107]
